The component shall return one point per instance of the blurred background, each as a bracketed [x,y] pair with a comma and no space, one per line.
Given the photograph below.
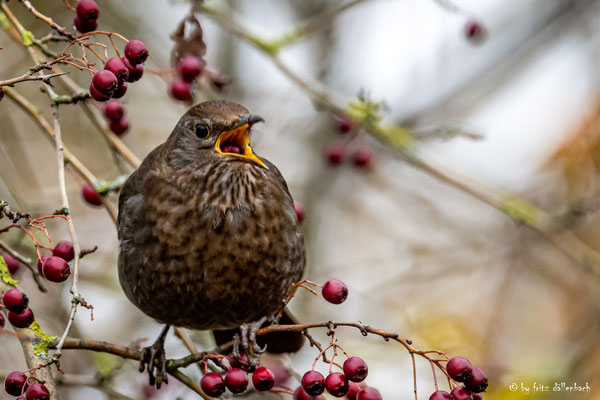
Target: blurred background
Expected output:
[519,111]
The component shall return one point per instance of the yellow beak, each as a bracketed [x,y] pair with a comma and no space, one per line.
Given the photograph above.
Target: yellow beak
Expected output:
[238,138]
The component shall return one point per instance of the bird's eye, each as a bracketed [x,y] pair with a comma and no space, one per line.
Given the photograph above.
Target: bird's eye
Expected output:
[201,131]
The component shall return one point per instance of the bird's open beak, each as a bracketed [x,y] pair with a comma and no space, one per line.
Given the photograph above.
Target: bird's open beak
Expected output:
[236,141]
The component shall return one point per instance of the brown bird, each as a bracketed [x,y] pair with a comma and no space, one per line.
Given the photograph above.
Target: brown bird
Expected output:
[209,235]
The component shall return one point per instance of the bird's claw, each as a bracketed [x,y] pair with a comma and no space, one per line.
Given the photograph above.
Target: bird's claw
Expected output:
[154,357]
[247,341]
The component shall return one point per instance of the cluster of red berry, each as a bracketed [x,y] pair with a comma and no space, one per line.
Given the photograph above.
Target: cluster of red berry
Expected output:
[115,113]
[188,69]
[236,380]
[336,151]
[18,384]
[474,379]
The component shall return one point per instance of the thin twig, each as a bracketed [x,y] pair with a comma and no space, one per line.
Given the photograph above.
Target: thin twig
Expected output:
[27,263]
[27,77]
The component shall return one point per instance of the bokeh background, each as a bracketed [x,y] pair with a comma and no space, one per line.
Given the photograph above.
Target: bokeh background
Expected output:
[519,111]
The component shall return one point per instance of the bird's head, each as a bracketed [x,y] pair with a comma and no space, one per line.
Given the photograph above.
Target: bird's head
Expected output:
[216,130]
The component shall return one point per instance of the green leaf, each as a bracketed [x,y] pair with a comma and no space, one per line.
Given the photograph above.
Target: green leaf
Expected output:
[40,349]
[28,37]
[4,21]
[5,274]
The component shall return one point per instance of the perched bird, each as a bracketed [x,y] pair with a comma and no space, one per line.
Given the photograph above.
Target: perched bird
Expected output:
[209,238]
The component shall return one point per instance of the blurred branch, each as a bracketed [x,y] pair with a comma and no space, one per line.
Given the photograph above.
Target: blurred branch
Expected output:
[98,382]
[367,115]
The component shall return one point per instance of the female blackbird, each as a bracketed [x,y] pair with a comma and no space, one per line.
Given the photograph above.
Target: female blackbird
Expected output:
[209,234]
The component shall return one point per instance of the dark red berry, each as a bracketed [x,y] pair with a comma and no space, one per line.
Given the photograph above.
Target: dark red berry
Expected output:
[121,90]
[136,52]
[14,300]
[113,110]
[119,127]
[299,211]
[116,66]
[335,154]
[96,95]
[440,395]
[459,368]
[335,291]
[233,363]
[87,9]
[64,250]
[475,31]
[236,380]
[85,25]
[300,394]
[135,71]
[355,369]
[263,379]
[11,262]
[2,322]
[37,391]
[55,269]
[105,82]
[336,384]
[181,90]
[14,382]
[461,393]
[343,124]
[212,384]
[189,68]
[313,383]
[361,157]
[22,319]
[478,381]
[476,396]
[91,196]
[369,394]
[41,262]
[353,389]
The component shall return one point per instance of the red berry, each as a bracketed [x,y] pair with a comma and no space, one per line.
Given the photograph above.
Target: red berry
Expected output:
[55,269]
[236,380]
[353,389]
[135,70]
[37,391]
[459,368]
[300,394]
[461,393]
[313,383]
[87,9]
[476,396]
[85,25]
[233,363]
[440,395]
[14,382]
[116,66]
[362,157]
[181,90]
[136,52]
[336,384]
[113,110]
[335,291]
[478,381]
[41,262]
[263,379]
[343,124]
[105,82]
[475,31]
[212,384]
[355,369]
[14,300]
[2,322]
[335,154]
[96,95]
[91,196]
[22,319]
[121,90]
[11,262]
[299,211]
[119,127]
[369,394]
[64,250]
[189,68]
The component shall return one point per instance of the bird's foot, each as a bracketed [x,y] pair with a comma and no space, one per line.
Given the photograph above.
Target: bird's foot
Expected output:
[247,341]
[154,357]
